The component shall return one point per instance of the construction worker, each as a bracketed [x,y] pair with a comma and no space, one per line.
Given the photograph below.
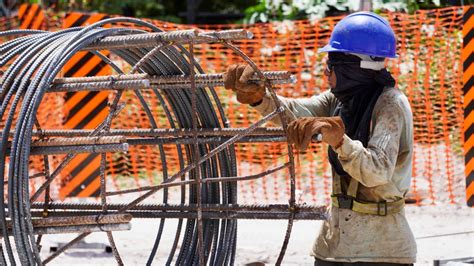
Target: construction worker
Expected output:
[368,126]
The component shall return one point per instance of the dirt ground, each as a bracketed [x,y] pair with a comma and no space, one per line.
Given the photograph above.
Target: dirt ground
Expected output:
[442,232]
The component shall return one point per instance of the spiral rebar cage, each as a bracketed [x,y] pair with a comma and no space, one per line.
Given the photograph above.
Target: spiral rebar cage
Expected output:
[146,62]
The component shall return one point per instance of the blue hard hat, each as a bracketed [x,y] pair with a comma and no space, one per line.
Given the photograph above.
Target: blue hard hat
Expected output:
[363,33]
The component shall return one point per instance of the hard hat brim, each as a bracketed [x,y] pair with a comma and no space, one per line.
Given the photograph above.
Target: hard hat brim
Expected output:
[328,48]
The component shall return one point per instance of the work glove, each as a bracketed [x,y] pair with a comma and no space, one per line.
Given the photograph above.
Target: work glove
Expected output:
[302,130]
[236,79]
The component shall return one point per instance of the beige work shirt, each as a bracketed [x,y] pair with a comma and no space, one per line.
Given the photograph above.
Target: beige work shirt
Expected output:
[383,170]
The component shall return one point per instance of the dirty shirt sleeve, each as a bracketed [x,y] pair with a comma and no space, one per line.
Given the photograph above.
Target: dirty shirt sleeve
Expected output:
[374,165]
[318,105]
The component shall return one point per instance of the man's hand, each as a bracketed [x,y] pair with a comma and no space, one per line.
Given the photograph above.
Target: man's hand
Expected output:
[301,131]
[236,79]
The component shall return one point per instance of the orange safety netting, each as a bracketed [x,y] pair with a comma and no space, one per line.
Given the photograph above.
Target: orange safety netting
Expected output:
[428,70]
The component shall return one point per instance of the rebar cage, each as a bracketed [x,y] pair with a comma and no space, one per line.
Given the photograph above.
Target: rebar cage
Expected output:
[189,121]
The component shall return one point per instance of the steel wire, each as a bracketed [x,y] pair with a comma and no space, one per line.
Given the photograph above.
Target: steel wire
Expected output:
[210,235]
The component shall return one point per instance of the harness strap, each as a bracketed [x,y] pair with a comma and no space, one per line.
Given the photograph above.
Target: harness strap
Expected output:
[349,200]
[336,184]
[352,189]
[380,208]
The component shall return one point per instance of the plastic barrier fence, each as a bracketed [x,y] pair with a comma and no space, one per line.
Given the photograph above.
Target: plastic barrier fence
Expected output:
[429,70]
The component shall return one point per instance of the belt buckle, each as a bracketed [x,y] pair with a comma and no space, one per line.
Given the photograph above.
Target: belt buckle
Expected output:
[345,202]
[382,208]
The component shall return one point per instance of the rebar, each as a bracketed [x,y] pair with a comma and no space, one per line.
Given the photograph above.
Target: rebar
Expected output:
[89,228]
[214,215]
[74,229]
[79,141]
[161,132]
[63,221]
[167,82]
[152,39]
[75,149]
[206,232]
[59,208]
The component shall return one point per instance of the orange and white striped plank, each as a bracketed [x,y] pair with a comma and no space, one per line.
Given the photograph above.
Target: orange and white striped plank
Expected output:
[467,56]
[85,110]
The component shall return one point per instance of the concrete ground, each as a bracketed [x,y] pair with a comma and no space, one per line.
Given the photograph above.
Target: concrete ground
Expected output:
[442,232]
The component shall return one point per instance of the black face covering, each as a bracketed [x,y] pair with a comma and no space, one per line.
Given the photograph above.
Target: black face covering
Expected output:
[357,91]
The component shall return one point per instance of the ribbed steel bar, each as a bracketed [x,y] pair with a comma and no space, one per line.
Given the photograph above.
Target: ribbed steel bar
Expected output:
[124,82]
[47,195]
[80,220]
[230,214]
[203,140]
[59,207]
[51,149]
[89,228]
[225,35]
[156,38]
[75,149]
[79,141]
[67,80]
[161,132]
[102,86]
[74,229]
[141,40]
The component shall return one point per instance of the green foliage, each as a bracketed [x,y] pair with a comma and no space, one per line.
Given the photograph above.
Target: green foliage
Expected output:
[409,6]
[229,6]
[141,9]
[278,10]
[174,11]
[254,10]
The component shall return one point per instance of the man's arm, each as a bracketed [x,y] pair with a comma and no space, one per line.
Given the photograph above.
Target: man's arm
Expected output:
[236,78]
[318,105]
